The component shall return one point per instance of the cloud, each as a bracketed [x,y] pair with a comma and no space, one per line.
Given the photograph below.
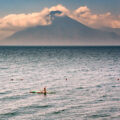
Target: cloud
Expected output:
[16,22]
[61,8]
[84,15]
[19,21]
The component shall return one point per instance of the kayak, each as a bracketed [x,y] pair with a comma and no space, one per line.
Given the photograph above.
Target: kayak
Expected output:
[42,92]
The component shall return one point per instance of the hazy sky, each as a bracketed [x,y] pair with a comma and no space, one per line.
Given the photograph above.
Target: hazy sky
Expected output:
[27,6]
[16,15]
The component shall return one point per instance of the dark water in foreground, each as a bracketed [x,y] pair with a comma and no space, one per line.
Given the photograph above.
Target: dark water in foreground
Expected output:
[91,92]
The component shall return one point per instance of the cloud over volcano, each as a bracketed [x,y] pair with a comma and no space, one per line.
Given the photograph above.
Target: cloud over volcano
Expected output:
[16,22]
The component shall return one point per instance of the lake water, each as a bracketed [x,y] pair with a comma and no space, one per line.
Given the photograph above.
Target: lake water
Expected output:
[91,91]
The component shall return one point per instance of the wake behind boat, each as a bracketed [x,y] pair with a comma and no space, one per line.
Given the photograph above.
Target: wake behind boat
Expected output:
[41,92]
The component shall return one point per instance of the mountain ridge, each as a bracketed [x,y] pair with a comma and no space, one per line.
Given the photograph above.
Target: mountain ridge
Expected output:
[62,31]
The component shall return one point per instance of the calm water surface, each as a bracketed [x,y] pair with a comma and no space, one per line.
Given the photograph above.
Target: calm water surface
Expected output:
[91,91]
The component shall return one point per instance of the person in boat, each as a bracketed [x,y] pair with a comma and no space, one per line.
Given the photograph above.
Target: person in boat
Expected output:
[44,90]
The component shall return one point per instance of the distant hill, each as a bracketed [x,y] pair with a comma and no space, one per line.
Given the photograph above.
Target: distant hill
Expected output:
[115,30]
[62,31]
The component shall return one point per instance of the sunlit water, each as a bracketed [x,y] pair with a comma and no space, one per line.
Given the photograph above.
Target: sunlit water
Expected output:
[91,91]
